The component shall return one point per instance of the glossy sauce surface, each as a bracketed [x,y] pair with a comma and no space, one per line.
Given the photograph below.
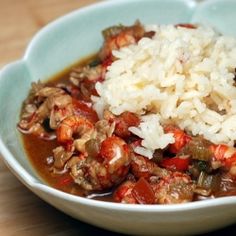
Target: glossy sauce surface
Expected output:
[40,153]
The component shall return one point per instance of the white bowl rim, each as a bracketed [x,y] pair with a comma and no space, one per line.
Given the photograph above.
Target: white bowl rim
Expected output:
[32,183]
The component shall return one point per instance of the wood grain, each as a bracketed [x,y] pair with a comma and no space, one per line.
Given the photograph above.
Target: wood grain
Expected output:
[21,212]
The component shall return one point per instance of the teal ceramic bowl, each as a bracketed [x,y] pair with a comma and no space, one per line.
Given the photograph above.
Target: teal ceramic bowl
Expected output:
[64,42]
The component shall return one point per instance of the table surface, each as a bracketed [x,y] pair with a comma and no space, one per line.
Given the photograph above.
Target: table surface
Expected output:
[21,212]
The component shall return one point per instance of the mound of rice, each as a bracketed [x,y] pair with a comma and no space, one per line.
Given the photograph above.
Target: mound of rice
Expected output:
[181,75]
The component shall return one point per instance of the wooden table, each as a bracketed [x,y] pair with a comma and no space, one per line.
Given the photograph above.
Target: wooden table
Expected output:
[21,212]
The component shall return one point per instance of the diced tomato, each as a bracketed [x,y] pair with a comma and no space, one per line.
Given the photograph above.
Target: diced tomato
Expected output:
[82,109]
[120,193]
[124,193]
[143,192]
[176,163]
[181,139]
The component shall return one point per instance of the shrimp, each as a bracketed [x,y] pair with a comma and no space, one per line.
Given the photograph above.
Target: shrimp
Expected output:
[56,106]
[122,122]
[181,138]
[124,38]
[174,188]
[84,78]
[133,192]
[74,163]
[85,110]
[117,37]
[70,147]
[143,167]
[92,74]
[89,74]
[60,108]
[75,125]
[60,157]
[46,108]
[225,156]
[106,169]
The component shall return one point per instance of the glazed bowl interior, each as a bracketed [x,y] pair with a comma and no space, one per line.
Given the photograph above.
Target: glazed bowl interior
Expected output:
[61,44]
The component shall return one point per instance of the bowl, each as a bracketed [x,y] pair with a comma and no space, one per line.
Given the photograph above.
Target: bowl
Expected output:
[59,45]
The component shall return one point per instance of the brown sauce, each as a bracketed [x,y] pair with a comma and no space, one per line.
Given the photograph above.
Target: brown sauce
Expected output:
[40,154]
[39,151]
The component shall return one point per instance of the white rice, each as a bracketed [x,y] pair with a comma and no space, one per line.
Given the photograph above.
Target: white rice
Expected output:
[181,75]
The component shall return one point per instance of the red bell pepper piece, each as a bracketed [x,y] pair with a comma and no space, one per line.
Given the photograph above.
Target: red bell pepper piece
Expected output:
[176,163]
[143,192]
